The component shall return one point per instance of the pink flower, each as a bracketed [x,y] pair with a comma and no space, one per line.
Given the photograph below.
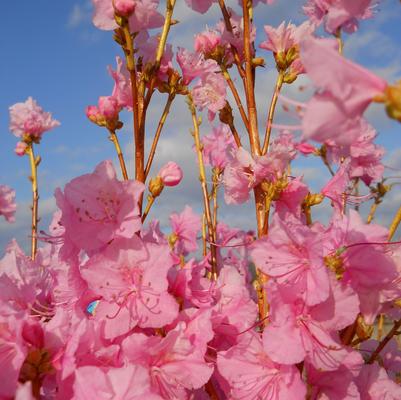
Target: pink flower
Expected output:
[210,92]
[130,382]
[131,278]
[339,14]
[325,384]
[107,110]
[283,38]
[251,374]
[374,384]
[200,6]
[97,208]
[239,177]
[109,107]
[185,226]
[207,41]
[292,256]
[175,363]
[29,119]
[244,172]
[346,91]
[366,157]
[357,265]
[171,174]
[217,146]
[144,14]
[147,48]
[7,203]
[295,334]
[194,65]
[124,7]
[122,88]
[336,188]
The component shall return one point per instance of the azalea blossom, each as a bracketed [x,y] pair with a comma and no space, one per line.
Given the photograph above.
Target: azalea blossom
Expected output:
[97,208]
[131,278]
[29,120]
[143,14]
[346,90]
[7,203]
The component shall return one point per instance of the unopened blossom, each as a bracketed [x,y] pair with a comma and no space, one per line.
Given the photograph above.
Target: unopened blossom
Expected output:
[346,90]
[97,208]
[339,14]
[210,93]
[143,16]
[7,203]
[217,146]
[171,174]
[175,364]
[107,110]
[29,120]
[185,227]
[251,374]
[131,278]
[124,8]
[20,148]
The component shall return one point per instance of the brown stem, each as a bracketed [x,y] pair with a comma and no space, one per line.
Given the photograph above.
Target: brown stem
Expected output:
[138,138]
[372,212]
[158,132]
[114,139]
[236,96]
[35,198]
[249,88]
[229,27]
[202,178]
[151,200]
[383,343]
[272,109]
[394,224]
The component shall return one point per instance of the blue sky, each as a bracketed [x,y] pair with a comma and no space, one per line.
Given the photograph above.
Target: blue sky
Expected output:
[52,52]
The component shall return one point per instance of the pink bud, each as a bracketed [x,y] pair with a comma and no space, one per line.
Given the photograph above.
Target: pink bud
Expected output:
[306,148]
[171,174]
[109,107]
[124,8]
[92,112]
[20,148]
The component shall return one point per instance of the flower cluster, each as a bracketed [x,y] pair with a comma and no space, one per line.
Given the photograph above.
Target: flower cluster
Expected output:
[115,304]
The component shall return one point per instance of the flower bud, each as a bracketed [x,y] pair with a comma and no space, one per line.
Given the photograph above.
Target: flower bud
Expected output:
[109,107]
[93,113]
[156,186]
[20,148]
[306,148]
[124,8]
[171,174]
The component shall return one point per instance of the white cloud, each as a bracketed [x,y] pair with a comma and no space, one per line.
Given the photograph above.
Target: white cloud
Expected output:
[80,14]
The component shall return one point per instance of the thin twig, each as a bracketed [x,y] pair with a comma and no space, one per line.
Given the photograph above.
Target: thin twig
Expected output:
[35,199]
[114,139]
